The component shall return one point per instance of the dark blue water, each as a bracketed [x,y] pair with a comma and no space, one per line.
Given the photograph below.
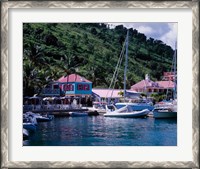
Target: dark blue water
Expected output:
[104,131]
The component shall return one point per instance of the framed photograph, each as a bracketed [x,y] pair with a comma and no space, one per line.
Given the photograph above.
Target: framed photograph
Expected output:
[58,58]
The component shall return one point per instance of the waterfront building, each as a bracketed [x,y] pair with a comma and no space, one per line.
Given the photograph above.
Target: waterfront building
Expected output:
[148,86]
[74,85]
[71,85]
[68,90]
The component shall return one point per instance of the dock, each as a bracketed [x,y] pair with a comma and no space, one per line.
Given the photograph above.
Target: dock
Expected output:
[58,112]
[64,112]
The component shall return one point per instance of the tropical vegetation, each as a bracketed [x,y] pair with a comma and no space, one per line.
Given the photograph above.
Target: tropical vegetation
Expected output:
[51,50]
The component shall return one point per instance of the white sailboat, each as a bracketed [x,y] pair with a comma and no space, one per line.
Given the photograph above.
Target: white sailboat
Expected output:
[126,110]
[168,109]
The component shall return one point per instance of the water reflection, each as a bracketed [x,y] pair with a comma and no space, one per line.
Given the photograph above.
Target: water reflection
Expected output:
[101,131]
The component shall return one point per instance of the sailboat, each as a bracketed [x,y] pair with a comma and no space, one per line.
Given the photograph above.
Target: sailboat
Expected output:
[126,110]
[168,109]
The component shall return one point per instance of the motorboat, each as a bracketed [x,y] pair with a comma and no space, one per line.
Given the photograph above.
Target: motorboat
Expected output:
[25,134]
[124,112]
[29,126]
[166,110]
[38,117]
[164,113]
[137,106]
[29,121]
[29,117]
[78,114]
[44,118]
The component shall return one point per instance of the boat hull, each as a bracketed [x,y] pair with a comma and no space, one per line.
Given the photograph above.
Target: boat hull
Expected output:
[139,107]
[134,114]
[77,114]
[40,118]
[25,134]
[29,126]
[43,119]
[164,114]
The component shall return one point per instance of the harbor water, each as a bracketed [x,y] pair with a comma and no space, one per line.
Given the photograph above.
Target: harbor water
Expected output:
[104,131]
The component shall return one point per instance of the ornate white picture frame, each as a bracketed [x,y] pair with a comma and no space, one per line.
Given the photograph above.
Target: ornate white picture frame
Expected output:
[7,6]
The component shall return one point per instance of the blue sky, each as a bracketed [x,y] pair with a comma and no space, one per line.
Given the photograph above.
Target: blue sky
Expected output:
[165,31]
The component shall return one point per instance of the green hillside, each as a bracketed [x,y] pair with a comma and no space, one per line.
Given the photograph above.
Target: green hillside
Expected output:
[51,50]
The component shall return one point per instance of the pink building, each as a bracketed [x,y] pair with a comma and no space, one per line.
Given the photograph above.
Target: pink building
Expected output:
[149,86]
[167,84]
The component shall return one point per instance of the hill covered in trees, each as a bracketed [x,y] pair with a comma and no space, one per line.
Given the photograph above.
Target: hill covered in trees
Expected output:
[51,50]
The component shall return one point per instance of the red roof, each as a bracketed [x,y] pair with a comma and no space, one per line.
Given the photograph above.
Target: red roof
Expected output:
[150,84]
[145,84]
[114,93]
[73,78]
[166,84]
[107,92]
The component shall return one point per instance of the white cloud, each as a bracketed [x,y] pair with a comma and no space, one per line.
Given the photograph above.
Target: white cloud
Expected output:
[167,32]
[146,30]
[170,37]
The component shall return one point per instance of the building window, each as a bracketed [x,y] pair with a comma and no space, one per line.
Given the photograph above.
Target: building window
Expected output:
[68,87]
[83,87]
[86,87]
[55,86]
[80,87]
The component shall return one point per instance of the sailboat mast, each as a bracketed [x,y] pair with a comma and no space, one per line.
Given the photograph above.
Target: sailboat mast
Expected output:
[175,72]
[126,64]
